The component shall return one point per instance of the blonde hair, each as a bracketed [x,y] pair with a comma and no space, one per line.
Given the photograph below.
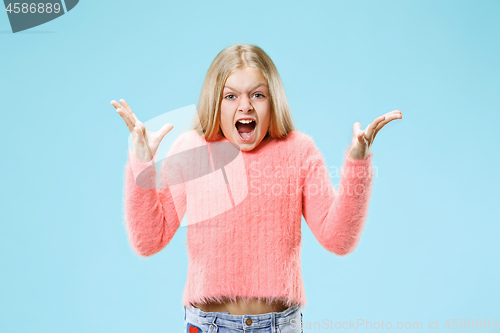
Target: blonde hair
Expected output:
[228,61]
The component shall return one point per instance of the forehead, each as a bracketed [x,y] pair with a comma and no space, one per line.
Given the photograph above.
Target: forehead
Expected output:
[245,78]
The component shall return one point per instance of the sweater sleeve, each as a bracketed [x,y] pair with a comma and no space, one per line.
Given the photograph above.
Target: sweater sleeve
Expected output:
[336,217]
[152,212]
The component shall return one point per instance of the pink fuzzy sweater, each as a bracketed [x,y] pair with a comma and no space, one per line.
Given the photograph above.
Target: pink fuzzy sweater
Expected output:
[244,220]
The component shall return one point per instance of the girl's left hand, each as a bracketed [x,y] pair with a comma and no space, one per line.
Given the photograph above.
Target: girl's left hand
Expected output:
[363,139]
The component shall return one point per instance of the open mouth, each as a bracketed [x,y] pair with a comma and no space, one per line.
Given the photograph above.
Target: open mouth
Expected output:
[246,129]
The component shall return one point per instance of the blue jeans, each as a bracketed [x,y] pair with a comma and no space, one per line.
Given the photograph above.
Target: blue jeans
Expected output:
[198,321]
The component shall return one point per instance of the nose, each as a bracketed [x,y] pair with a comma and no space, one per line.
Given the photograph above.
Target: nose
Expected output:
[245,104]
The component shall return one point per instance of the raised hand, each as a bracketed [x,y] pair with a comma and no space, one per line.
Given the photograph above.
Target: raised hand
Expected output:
[145,143]
[362,140]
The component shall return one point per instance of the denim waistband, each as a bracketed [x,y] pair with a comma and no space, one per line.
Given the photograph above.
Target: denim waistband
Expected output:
[241,321]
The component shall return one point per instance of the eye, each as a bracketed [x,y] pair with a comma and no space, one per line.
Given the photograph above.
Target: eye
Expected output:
[259,94]
[228,96]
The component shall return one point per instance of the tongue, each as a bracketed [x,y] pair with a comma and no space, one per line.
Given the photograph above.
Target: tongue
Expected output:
[245,128]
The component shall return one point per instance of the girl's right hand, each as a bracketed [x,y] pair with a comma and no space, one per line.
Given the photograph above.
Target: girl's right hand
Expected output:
[145,143]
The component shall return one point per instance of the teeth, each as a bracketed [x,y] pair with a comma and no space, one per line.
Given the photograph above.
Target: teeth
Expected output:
[245,121]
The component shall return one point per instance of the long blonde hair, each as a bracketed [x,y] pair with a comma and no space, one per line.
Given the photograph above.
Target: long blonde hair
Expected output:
[228,61]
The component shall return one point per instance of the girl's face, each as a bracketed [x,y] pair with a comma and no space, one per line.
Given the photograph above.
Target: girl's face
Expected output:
[245,97]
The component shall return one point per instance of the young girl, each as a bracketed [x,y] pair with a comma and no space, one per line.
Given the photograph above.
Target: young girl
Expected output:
[244,209]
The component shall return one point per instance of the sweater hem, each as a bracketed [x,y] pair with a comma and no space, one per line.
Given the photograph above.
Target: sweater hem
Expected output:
[268,300]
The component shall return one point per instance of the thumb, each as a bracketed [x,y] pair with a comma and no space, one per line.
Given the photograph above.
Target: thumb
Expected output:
[356,127]
[165,129]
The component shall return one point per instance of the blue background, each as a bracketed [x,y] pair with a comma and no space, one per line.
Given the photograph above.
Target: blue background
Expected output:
[429,250]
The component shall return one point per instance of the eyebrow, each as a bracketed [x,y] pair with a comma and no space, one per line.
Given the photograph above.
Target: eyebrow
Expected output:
[254,87]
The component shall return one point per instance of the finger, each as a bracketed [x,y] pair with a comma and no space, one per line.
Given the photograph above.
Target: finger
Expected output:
[121,110]
[362,138]
[129,121]
[129,110]
[126,118]
[142,138]
[165,129]
[115,104]
[138,142]
[387,119]
[131,115]
[370,130]
[356,127]
[358,133]
[158,136]
[393,112]
[391,117]
[138,135]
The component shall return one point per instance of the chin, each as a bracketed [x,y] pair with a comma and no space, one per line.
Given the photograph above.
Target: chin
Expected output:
[246,147]
[249,145]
